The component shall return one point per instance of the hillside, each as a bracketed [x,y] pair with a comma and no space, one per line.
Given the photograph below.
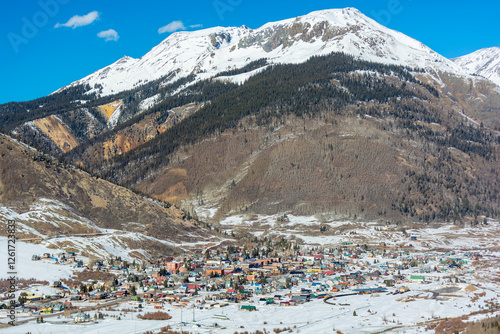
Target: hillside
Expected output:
[352,138]
[47,198]
[328,112]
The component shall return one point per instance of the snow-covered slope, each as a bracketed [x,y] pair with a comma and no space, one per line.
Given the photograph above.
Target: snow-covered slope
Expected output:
[207,52]
[483,62]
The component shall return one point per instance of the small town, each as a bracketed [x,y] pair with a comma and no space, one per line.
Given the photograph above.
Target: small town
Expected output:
[250,167]
[211,290]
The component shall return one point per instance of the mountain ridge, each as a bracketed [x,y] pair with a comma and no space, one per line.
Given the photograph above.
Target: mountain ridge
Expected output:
[235,137]
[244,151]
[204,53]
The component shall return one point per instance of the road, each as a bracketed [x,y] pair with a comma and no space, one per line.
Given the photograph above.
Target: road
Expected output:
[342,295]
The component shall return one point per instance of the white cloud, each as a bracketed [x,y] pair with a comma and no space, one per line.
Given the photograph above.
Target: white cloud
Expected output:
[196,26]
[109,35]
[79,21]
[171,27]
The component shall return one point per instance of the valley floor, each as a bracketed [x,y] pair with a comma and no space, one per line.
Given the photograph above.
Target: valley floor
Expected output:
[466,293]
[374,314]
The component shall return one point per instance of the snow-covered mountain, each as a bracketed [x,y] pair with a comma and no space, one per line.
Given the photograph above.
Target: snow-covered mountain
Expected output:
[483,62]
[207,52]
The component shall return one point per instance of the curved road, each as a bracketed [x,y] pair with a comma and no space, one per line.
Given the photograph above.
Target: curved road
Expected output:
[342,295]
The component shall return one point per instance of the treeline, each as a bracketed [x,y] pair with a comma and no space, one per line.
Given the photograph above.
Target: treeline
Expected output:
[247,68]
[13,114]
[200,92]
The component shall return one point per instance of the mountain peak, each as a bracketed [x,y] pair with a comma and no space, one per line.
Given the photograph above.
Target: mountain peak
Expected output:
[336,11]
[206,52]
[484,62]
[335,16]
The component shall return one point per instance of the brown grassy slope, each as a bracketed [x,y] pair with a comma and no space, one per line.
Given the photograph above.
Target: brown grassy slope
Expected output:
[348,166]
[24,181]
[337,161]
[476,98]
[342,169]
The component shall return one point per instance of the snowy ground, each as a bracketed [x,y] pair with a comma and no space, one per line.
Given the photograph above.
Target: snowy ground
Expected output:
[402,313]
[41,270]
[411,312]
[82,235]
[307,229]
[374,313]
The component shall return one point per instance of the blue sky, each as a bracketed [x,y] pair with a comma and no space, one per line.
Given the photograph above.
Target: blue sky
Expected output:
[47,44]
